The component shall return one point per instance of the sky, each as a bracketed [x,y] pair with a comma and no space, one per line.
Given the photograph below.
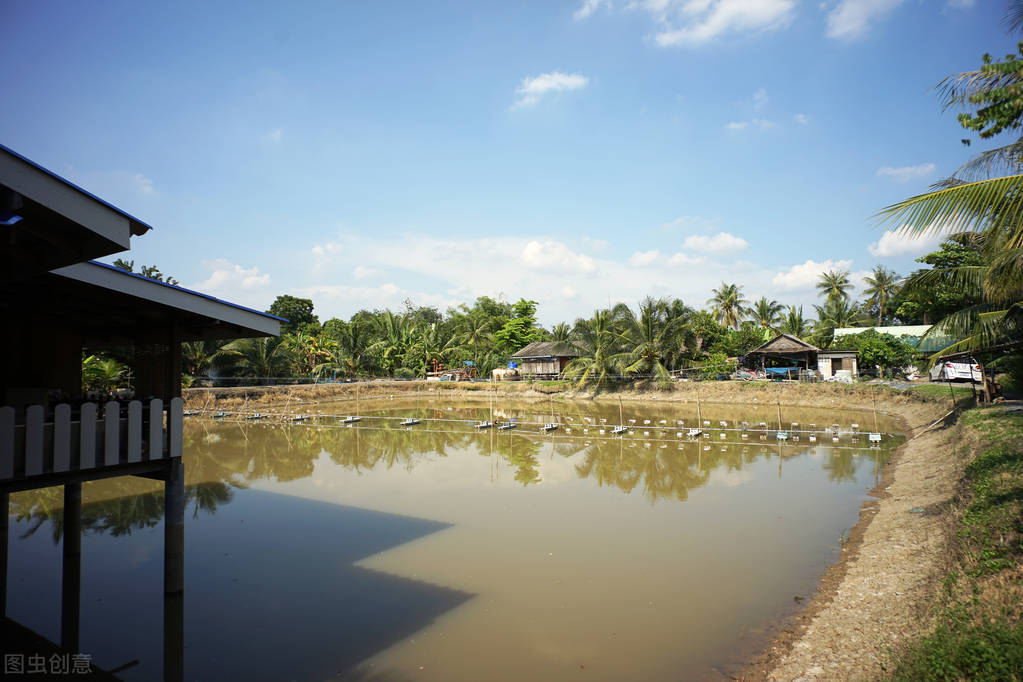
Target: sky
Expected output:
[574,152]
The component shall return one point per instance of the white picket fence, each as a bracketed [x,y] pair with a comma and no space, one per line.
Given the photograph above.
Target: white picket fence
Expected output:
[95,440]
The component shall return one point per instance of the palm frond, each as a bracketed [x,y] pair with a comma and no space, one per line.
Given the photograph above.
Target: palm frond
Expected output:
[995,204]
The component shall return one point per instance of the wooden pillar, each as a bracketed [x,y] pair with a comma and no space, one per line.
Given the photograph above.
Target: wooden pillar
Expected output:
[174,528]
[174,637]
[172,364]
[4,502]
[71,589]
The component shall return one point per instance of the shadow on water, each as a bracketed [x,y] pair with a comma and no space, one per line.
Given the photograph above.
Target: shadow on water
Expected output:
[272,587]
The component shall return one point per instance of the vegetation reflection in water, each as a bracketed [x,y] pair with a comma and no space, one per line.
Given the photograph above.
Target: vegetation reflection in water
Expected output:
[225,458]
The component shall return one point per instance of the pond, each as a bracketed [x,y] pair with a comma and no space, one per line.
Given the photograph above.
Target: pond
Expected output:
[317,550]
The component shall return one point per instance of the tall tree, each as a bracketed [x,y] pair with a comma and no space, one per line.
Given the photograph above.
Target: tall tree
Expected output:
[521,330]
[766,313]
[795,324]
[834,285]
[297,311]
[882,285]
[729,304]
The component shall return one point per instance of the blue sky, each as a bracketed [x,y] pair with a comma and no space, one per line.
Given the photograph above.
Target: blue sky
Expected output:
[364,153]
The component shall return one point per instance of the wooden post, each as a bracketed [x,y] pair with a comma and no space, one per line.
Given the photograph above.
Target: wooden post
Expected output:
[174,528]
[985,391]
[71,590]
[173,637]
[4,501]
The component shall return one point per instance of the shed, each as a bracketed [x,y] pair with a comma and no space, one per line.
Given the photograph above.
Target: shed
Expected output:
[785,352]
[546,358]
[831,361]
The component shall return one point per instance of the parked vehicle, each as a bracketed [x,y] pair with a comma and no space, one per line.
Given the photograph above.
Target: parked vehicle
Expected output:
[956,371]
[744,374]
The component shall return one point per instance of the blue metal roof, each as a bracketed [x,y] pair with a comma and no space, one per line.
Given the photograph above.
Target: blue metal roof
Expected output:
[75,187]
[187,291]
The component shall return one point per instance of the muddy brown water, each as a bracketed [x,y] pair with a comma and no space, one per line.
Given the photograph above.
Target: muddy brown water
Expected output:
[440,552]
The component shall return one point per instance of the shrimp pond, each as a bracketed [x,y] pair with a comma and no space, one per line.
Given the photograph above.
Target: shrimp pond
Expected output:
[320,550]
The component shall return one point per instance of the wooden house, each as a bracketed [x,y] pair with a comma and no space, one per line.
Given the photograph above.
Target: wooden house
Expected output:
[546,358]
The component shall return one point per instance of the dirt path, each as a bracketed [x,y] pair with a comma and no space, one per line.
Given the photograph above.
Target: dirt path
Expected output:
[881,592]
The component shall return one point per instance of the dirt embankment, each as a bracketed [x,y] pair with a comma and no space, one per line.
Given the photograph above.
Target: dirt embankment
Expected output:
[876,597]
[909,407]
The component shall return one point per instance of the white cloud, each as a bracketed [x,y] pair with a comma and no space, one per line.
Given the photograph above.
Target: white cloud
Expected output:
[642,258]
[274,135]
[552,255]
[760,123]
[760,99]
[684,259]
[805,276]
[906,173]
[801,119]
[142,185]
[226,274]
[897,243]
[362,272]
[688,222]
[851,19]
[531,90]
[718,243]
[589,7]
[569,291]
[691,23]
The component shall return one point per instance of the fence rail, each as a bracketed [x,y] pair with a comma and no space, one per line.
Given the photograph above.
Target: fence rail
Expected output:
[87,437]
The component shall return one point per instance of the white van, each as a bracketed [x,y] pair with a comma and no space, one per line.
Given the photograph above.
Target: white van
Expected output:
[956,371]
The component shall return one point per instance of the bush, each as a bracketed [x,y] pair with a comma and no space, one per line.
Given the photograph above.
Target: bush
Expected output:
[404,373]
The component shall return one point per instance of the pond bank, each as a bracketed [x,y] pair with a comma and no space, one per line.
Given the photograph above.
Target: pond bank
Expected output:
[881,591]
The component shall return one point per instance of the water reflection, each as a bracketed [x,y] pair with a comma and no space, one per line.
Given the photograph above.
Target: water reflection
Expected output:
[374,550]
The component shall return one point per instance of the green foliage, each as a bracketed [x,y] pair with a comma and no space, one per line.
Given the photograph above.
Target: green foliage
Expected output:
[103,374]
[979,635]
[737,342]
[521,330]
[995,91]
[404,373]
[834,285]
[932,293]
[880,350]
[150,271]
[729,304]
[717,364]
[297,311]
[990,651]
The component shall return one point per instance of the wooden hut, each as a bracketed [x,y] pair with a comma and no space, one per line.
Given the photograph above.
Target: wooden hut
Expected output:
[546,358]
[785,355]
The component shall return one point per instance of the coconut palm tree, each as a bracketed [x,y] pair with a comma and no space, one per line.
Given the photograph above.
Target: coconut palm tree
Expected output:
[267,356]
[648,338]
[766,313]
[835,313]
[561,332]
[834,285]
[795,324]
[882,285]
[600,337]
[729,304]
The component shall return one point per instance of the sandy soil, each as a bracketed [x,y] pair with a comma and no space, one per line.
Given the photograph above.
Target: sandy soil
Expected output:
[877,596]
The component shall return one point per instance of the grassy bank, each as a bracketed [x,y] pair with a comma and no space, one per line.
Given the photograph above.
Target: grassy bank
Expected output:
[979,633]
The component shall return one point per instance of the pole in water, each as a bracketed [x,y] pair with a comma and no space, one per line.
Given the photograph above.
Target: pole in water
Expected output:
[779,421]
[873,402]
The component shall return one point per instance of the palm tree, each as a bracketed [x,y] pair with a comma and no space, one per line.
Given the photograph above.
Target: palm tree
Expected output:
[766,313]
[981,207]
[835,313]
[561,332]
[647,338]
[396,334]
[729,304]
[600,339]
[795,324]
[103,374]
[264,357]
[881,287]
[834,285]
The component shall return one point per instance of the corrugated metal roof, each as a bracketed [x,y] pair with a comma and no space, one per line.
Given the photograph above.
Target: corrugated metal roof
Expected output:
[549,349]
[75,187]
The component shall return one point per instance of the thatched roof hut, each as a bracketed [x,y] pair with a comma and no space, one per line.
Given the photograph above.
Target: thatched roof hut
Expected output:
[787,350]
[546,358]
